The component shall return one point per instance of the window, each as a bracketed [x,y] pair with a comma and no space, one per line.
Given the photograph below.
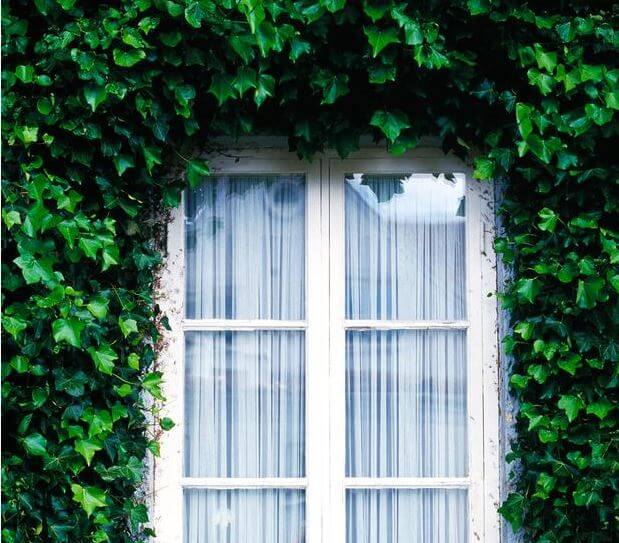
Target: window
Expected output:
[331,364]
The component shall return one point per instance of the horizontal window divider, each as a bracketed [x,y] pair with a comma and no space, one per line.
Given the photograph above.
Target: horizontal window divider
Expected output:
[243,482]
[190,325]
[406,482]
[405,325]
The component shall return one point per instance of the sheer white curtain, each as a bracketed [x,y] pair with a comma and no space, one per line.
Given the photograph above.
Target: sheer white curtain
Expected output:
[407,516]
[245,516]
[406,404]
[405,247]
[245,248]
[245,390]
[405,389]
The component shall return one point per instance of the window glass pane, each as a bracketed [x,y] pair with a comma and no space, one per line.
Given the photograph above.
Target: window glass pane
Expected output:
[406,403]
[245,404]
[405,247]
[404,515]
[243,516]
[245,248]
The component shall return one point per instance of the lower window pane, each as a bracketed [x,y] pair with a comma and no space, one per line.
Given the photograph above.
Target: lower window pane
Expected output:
[245,404]
[240,516]
[406,403]
[405,515]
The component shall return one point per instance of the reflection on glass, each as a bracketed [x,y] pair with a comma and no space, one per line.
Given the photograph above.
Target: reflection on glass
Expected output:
[245,404]
[406,516]
[405,247]
[406,403]
[245,248]
[244,516]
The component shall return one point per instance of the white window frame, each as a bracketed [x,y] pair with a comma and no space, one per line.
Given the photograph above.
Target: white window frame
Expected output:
[325,325]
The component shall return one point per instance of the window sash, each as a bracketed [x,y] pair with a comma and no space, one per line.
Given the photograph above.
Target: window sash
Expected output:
[325,328]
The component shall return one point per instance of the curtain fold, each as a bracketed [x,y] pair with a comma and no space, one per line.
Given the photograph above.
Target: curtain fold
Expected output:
[245,248]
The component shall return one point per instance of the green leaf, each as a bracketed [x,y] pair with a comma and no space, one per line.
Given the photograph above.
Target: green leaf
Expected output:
[244,80]
[123,162]
[523,117]
[34,269]
[24,73]
[572,405]
[127,326]
[600,409]
[589,292]
[380,38]
[513,510]
[87,448]
[391,123]
[528,289]
[68,330]
[264,88]
[197,171]
[89,497]
[98,306]
[95,95]
[35,444]
[484,169]
[127,59]
[103,358]
[549,220]
[166,423]
[152,383]
[570,364]
[222,87]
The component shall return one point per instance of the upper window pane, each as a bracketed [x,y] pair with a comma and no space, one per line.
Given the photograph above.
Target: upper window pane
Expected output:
[245,248]
[405,247]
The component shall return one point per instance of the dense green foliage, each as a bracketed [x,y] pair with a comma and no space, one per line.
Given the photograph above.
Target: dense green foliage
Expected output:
[100,98]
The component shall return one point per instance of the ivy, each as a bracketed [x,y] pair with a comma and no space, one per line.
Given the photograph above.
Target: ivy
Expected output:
[102,99]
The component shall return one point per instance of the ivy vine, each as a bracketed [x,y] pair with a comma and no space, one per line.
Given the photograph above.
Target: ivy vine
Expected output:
[100,98]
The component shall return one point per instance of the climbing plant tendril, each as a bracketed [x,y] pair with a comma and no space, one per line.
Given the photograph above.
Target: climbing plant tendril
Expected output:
[102,98]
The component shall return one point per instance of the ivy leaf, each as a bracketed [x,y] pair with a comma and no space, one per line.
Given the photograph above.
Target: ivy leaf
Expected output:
[513,510]
[195,14]
[103,357]
[549,220]
[523,117]
[222,87]
[572,405]
[166,423]
[244,80]
[126,59]
[35,444]
[264,88]
[484,169]
[152,383]
[87,448]
[89,497]
[98,306]
[127,326]
[379,38]
[391,123]
[68,330]
[587,493]
[529,289]
[196,171]
[95,95]
[589,292]
[600,409]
